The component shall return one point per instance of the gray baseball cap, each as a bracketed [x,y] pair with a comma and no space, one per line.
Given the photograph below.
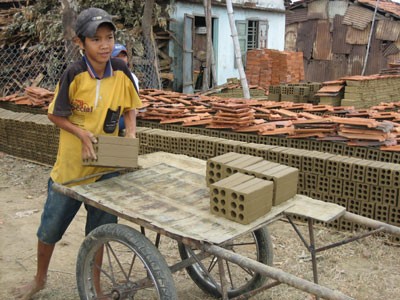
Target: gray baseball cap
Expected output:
[90,19]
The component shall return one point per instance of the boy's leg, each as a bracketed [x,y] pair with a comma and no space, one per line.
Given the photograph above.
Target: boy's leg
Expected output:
[95,218]
[44,253]
[58,212]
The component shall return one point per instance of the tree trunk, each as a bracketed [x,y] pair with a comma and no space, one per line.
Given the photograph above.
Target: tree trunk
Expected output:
[149,42]
[238,56]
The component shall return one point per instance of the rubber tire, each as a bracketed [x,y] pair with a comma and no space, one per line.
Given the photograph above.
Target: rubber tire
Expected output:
[265,250]
[155,263]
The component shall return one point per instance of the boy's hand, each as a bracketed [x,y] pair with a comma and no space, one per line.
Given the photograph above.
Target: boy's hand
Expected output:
[88,139]
[131,135]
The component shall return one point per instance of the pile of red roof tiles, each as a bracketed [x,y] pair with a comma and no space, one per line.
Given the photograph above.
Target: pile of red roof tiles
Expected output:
[33,96]
[376,126]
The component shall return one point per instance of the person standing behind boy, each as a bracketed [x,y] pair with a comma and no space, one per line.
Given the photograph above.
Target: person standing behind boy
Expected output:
[89,99]
[121,52]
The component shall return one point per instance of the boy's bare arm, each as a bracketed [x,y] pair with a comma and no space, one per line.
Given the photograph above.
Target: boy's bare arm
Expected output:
[87,138]
[130,123]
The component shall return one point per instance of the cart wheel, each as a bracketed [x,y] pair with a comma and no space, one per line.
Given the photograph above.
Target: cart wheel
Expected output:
[256,245]
[132,267]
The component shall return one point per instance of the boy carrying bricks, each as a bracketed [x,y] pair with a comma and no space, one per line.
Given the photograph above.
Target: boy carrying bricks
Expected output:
[90,97]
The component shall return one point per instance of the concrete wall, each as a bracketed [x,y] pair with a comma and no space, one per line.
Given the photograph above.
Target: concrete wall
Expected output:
[223,40]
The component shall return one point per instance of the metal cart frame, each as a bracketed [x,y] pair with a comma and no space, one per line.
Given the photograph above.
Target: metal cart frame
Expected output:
[170,201]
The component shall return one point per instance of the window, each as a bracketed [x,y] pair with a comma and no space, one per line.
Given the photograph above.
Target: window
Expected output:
[252,34]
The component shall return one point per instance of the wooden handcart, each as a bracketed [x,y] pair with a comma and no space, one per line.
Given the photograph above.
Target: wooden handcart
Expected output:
[175,203]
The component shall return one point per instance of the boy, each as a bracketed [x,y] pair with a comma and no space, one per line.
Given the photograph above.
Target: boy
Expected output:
[120,51]
[89,99]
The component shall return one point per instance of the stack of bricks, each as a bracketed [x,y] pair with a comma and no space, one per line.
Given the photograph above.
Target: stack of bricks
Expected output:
[365,180]
[244,187]
[267,67]
[295,92]
[366,91]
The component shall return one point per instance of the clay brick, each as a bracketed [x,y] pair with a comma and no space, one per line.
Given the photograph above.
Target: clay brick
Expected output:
[372,173]
[349,189]
[375,194]
[241,198]
[372,154]
[390,196]
[113,151]
[323,185]
[362,191]
[359,170]
[367,209]
[264,150]
[394,215]
[381,212]
[353,206]
[225,146]
[273,154]
[311,181]
[319,164]
[249,148]
[239,164]
[285,182]
[345,168]
[215,165]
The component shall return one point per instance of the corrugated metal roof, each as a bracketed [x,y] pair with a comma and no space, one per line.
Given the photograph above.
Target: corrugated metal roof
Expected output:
[291,37]
[317,70]
[305,37]
[299,15]
[357,37]
[323,41]
[390,49]
[356,59]
[339,44]
[358,17]
[338,66]
[318,10]
[385,6]
[376,59]
[393,58]
[388,30]
[337,8]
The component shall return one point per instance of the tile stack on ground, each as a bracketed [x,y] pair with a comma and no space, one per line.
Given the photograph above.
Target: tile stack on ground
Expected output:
[30,136]
[365,180]
[267,67]
[366,91]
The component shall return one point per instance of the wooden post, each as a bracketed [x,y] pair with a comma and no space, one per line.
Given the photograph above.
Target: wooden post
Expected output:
[238,55]
[208,17]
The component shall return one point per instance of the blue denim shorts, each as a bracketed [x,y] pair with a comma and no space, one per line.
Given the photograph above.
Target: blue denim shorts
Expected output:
[59,211]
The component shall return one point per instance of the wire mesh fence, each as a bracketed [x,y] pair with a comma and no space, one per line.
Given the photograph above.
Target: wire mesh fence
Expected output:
[21,66]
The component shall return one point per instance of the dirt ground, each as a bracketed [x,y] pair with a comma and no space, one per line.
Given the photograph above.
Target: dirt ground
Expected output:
[366,269]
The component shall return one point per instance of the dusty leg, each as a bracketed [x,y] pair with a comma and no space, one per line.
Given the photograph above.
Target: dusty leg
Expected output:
[44,253]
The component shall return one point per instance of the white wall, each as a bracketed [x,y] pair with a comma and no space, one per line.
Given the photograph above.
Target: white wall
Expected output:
[225,51]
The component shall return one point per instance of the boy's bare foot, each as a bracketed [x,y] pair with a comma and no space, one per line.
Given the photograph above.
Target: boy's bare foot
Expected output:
[26,291]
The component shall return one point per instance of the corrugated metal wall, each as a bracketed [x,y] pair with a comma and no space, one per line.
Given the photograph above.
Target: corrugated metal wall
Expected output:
[334,35]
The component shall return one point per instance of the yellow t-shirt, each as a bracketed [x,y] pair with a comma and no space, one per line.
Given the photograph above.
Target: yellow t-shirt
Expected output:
[93,104]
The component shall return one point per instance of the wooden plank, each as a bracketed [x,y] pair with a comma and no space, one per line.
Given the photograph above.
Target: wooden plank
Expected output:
[316,209]
[168,200]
